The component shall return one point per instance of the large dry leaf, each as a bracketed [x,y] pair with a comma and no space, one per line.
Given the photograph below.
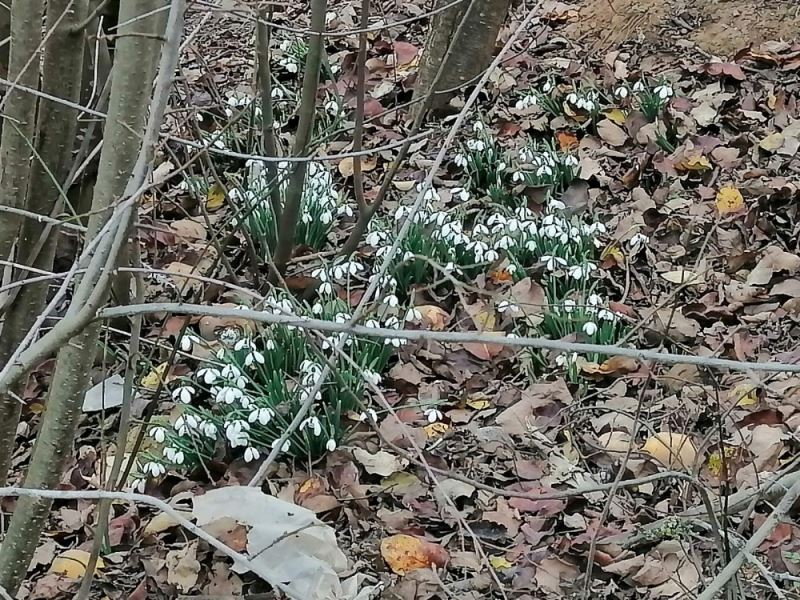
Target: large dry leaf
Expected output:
[405,553]
[673,450]
[381,463]
[104,395]
[611,133]
[72,564]
[367,164]
[288,546]
[773,261]
[517,418]
[183,568]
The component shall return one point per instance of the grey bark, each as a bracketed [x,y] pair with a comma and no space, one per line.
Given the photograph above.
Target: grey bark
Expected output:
[475,47]
[128,107]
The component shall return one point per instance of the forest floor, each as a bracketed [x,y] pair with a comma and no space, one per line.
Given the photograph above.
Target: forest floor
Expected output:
[711,189]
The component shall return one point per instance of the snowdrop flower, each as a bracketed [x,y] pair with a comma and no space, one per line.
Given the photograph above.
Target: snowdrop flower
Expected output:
[209,375]
[638,240]
[638,86]
[571,161]
[174,455]
[261,416]
[325,289]
[313,424]
[556,204]
[187,341]
[332,107]
[433,415]
[568,305]
[572,98]
[284,448]
[391,300]
[154,469]
[230,371]
[237,433]
[553,262]
[372,377]
[368,415]
[491,255]
[413,314]
[376,238]
[253,357]
[621,92]
[138,486]
[606,315]
[547,87]
[183,394]
[564,359]
[477,127]
[159,434]
[664,91]
[476,145]
[244,343]
[581,271]
[395,342]
[345,210]
[589,328]
[330,445]
[372,324]
[228,395]
[594,300]
[349,267]
[251,454]
[505,242]
[184,424]
[460,160]
[505,306]
[518,176]
[208,429]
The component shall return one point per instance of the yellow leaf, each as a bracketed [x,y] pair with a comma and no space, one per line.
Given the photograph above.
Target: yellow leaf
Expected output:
[715,460]
[162,521]
[484,320]
[434,317]
[729,200]
[216,197]
[434,430]
[403,186]
[683,276]
[72,564]
[404,553]
[673,450]
[479,403]
[367,165]
[399,481]
[499,563]
[772,142]
[694,163]
[744,394]
[154,377]
[616,115]
[613,255]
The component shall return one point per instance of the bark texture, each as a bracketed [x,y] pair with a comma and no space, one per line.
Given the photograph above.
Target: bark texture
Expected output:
[128,104]
[474,48]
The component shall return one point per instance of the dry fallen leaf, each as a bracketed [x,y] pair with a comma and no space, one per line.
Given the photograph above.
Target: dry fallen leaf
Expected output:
[434,317]
[729,200]
[611,133]
[405,553]
[772,142]
[72,564]
[215,198]
[683,276]
[673,450]
[367,165]
[381,463]
[154,377]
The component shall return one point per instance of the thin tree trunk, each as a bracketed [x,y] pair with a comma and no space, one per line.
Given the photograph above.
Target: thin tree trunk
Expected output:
[128,107]
[29,184]
[308,105]
[475,44]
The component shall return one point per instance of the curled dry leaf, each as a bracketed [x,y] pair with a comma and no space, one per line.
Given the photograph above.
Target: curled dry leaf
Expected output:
[729,200]
[72,564]
[405,553]
[773,261]
[434,317]
[367,164]
[673,450]
[381,463]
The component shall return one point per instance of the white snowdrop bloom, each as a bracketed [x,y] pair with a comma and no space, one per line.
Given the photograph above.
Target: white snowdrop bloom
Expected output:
[391,300]
[260,415]
[594,300]
[159,434]
[251,454]
[476,145]
[551,231]
[208,429]
[237,433]
[401,212]
[372,377]
[183,394]
[511,268]
[579,272]
[228,395]
[154,469]
[286,445]
[513,225]
[563,360]
[501,166]
[376,238]
[433,415]
[325,289]
[547,87]
[332,107]
[330,445]
[504,243]
[372,324]
[571,161]
[395,342]
[572,98]
[568,305]
[621,92]
[664,91]
[392,322]
[345,210]
[606,315]
[187,341]
[480,229]
[544,170]
[230,372]
[138,486]
[253,357]
[407,256]
[589,328]
[326,217]
[209,375]
[518,176]
[491,255]
[460,193]
[525,155]
[277,93]
[556,205]
[174,455]
[244,343]
[413,314]
[460,160]
[306,217]
[505,306]
[638,240]
[368,415]
[184,424]
[638,86]
[553,262]
[477,127]
[313,424]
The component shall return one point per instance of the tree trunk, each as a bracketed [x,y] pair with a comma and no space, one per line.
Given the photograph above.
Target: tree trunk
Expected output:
[130,94]
[474,48]
[32,184]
